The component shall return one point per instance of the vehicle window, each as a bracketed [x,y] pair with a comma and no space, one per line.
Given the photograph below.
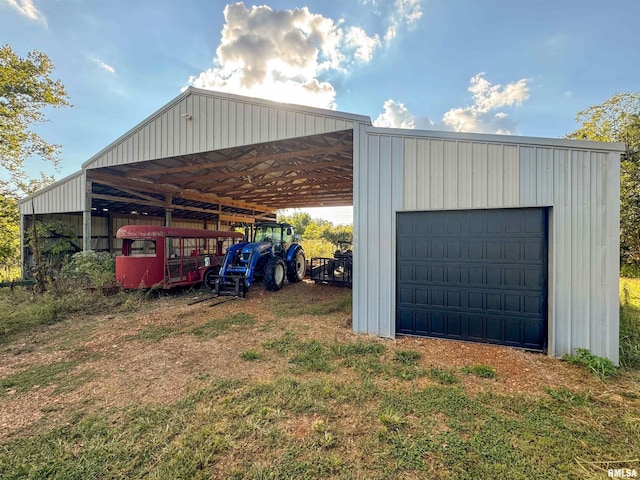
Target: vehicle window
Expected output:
[287,236]
[138,248]
[268,234]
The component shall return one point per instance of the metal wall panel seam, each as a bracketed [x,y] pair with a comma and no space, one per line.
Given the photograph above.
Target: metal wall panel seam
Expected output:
[409,173]
[525,176]
[423,167]
[552,279]
[573,258]
[209,126]
[359,185]
[450,180]
[373,206]
[493,167]
[384,230]
[495,175]
[465,175]
[557,229]
[363,216]
[613,254]
[597,319]
[355,298]
[586,250]
[397,197]
[577,337]
[203,121]
[186,125]
[479,182]
[511,185]
[436,174]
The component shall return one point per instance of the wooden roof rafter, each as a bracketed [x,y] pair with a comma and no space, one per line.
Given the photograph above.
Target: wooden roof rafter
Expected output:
[251,179]
[256,160]
[177,192]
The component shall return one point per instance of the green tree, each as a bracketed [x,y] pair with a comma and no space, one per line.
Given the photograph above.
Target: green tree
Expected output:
[618,120]
[314,231]
[9,234]
[339,233]
[298,219]
[25,90]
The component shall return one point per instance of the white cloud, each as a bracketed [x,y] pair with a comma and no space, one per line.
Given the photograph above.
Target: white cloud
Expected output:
[104,66]
[284,55]
[395,115]
[480,117]
[488,97]
[28,9]
[364,45]
[404,13]
[409,11]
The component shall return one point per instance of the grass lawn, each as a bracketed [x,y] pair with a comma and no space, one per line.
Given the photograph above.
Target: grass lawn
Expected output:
[276,386]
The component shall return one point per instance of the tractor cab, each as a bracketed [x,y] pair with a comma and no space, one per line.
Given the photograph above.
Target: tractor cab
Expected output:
[281,235]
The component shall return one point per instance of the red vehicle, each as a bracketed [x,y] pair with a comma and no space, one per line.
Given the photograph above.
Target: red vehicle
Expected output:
[169,257]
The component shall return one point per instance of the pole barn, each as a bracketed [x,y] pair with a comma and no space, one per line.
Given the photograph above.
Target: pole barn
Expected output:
[485,238]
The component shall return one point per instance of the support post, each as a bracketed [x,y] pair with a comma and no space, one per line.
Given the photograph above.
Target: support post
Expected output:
[23,258]
[168,210]
[110,233]
[86,220]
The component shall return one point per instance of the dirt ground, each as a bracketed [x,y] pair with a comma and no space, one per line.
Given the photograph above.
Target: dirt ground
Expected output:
[125,369]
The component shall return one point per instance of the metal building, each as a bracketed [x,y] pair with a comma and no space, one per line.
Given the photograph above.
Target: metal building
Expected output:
[486,238]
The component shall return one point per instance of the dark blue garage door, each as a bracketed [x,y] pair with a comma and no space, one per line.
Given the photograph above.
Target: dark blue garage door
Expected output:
[474,275]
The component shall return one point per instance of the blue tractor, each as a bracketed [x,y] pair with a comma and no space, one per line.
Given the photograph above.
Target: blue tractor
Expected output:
[272,256]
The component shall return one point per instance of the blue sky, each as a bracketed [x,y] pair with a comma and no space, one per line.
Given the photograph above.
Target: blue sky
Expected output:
[494,66]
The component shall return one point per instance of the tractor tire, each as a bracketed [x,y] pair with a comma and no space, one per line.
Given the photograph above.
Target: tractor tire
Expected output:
[297,267]
[208,279]
[274,273]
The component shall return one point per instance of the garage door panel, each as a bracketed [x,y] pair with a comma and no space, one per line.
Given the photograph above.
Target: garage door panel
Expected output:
[534,223]
[437,324]
[405,248]
[405,321]
[476,329]
[421,322]
[405,296]
[422,296]
[405,274]
[454,326]
[480,275]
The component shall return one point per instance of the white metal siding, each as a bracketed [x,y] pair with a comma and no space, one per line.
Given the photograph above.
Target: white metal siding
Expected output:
[66,195]
[217,121]
[582,187]
[448,174]
[378,189]
[404,171]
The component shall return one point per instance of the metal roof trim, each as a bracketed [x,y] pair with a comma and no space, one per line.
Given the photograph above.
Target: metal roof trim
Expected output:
[499,138]
[53,186]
